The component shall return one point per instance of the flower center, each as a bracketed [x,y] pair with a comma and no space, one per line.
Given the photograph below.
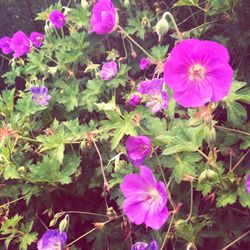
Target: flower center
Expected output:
[151,197]
[196,72]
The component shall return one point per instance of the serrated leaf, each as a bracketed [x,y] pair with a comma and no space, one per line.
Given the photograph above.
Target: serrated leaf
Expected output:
[187,3]
[226,198]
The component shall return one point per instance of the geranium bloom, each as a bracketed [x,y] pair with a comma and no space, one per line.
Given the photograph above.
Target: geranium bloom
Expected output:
[144,63]
[109,70]
[20,43]
[138,148]
[198,72]
[145,246]
[134,100]
[157,98]
[145,199]
[104,17]
[57,18]
[40,95]
[52,240]
[248,183]
[5,45]
[37,39]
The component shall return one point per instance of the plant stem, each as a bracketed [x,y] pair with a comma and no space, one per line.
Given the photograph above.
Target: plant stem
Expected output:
[233,242]
[85,213]
[133,41]
[168,14]
[241,159]
[105,184]
[191,200]
[232,130]
[166,236]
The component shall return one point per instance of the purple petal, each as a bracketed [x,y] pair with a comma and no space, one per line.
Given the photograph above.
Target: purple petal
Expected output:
[248,183]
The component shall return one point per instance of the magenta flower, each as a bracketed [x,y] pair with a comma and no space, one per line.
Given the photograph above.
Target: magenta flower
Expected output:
[52,240]
[248,183]
[144,63]
[5,45]
[104,17]
[57,18]
[40,95]
[109,70]
[20,44]
[198,72]
[157,99]
[138,148]
[36,38]
[134,100]
[144,246]
[145,199]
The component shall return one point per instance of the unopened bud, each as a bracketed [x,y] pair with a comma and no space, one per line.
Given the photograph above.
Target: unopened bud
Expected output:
[208,174]
[64,223]
[162,27]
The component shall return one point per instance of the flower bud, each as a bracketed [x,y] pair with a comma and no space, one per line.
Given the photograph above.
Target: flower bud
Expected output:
[162,28]
[64,223]
[208,174]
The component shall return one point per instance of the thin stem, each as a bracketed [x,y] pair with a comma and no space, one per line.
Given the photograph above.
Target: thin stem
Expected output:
[133,41]
[85,213]
[236,240]
[191,201]
[168,14]
[241,159]
[166,236]
[90,231]
[233,130]
[105,184]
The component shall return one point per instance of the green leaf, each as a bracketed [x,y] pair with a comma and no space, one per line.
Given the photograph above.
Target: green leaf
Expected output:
[7,102]
[236,113]
[187,3]
[225,198]
[159,52]
[182,138]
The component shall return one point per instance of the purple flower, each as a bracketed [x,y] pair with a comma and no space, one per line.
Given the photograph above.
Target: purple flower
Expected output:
[198,72]
[20,43]
[57,18]
[37,39]
[157,98]
[5,45]
[134,100]
[138,148]
[144,246]
[248,183]
[40,95]
[145,199]
[109,70]
[144,63]
[104,17]
[52,240]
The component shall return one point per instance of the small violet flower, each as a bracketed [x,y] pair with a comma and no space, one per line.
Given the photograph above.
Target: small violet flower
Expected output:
[40,95]
[144,246]
[20,44]
[198,72]
[145,199]
[248,183]
[157,99]
[52,240]
[104,17]
[138,148]
[57,18]
[5,45]
[109,70]
[134,100]
[144,63]
[37,39]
